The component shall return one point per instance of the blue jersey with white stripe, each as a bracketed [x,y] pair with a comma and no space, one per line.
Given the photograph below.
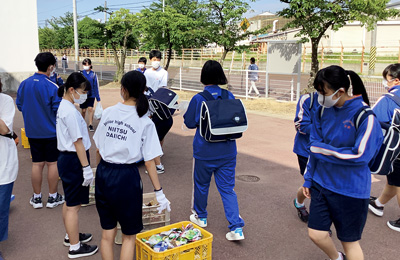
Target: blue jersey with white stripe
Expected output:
[94,82]
[340,153]
[38,101]
[303,123]
[384,107]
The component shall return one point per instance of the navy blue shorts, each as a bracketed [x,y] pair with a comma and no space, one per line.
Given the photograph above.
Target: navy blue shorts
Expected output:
[71,174]
[119,197]
[43,150]
[88,103]
[394,177]
[162,126]
[5,198]
[302,163]
[347,214]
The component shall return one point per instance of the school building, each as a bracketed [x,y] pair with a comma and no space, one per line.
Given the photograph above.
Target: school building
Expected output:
[20,42]
[352,36]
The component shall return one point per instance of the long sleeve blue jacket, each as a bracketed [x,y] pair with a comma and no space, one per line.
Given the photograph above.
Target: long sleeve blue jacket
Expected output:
[340,153]
[384,107]
[303,123]
[202,149]
[38,101]
[92,78]
[59,81]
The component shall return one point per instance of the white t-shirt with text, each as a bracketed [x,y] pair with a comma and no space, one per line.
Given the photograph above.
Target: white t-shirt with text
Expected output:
[156,79]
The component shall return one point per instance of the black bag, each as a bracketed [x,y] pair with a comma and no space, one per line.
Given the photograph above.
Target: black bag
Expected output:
[222,119]
[163,103]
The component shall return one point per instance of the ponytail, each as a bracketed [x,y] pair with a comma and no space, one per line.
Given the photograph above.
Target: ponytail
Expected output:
[142,105]
[61,90]
[358,85]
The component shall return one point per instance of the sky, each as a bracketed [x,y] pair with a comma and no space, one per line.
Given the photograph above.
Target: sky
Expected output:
[49,8]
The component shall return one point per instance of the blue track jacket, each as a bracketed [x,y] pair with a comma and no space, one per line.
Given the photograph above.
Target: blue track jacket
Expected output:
[92,78]
[303,123]
[202,149]
[384,107]
[38,101]
[59,81]
[339,155]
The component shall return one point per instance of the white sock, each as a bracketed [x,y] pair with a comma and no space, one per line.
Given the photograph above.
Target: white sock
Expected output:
[299,204]
[378,203]
[160,165]
[35,196]
[75,247]
[66,236]
[340,256]
[53,195]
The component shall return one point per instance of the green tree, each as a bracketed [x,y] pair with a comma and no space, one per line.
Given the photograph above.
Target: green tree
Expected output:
[47,38]
[225,16]
[121,29]
[64,30]
[181,25]
[315,17]
[91,33]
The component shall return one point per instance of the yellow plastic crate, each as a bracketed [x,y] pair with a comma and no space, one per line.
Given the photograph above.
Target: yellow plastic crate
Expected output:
[198,250]
[24,139]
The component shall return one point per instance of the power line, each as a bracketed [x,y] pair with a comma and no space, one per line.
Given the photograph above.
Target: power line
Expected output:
[132,3]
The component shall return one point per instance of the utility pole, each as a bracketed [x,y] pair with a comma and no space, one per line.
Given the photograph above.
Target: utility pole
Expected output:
[76,35]
[372,55]
[105,21]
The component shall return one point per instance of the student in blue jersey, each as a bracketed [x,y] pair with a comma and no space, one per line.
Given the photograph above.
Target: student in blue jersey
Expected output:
[337,178]
[156,78]
[93,94]
[217,158]
[55,77]
[73,142]
[384,110]
[305,110]
[38,101]
[124,136]
[142,64]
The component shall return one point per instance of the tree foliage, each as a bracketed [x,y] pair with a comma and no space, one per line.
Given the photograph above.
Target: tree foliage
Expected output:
[180,25]
[225,17]
[90,33]
[315,17]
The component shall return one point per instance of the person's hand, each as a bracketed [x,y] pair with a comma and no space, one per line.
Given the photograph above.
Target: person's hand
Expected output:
[87,176]
[306,192]
[162,200]
[16,140]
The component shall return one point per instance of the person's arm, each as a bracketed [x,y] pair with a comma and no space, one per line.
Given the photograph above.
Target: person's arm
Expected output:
[382,110]
[59,80]
[192,115]
[96,87]
[3,128]
[81,152]
[303,122]
[368,140]
[20,99]
[164,80]
[6,121]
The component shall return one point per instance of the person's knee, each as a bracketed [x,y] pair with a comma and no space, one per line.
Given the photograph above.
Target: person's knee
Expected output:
[108,235]
[317,235]
[39,164]
[128,238]
[90,109]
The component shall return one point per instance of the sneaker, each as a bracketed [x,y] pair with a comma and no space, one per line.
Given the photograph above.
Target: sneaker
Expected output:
[36,203]
[160,169]
[91,129]
[394,224]
[54,202]
[344,256]
[301,212]
[235,235]
[83,238]
[12,198]
[84,250]
[378,211]
[201,222]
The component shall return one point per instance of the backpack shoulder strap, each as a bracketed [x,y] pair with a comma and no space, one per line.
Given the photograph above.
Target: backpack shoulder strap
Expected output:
[361,115]
[311,100]
[224,94]
[207,95]
[321,111]
[393,97]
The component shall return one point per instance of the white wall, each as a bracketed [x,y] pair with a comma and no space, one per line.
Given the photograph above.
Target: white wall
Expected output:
[19,42]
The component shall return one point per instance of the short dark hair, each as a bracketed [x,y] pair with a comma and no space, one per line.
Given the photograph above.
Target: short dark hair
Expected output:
[43,60]
[75,80]
[142,59]
[252,60]
[392,70]
[155,53]
[213,74]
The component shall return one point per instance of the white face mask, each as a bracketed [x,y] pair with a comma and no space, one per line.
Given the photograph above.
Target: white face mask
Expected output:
[155,64]
[82,98]
[386,83]
[327,101]
[141,66]
[52,72]
[86,67]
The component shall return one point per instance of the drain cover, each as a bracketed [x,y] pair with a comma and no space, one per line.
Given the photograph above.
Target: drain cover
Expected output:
[248,178]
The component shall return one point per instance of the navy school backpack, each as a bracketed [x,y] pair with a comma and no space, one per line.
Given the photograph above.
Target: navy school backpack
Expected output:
[389,151]
[163,103]
[222,119]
